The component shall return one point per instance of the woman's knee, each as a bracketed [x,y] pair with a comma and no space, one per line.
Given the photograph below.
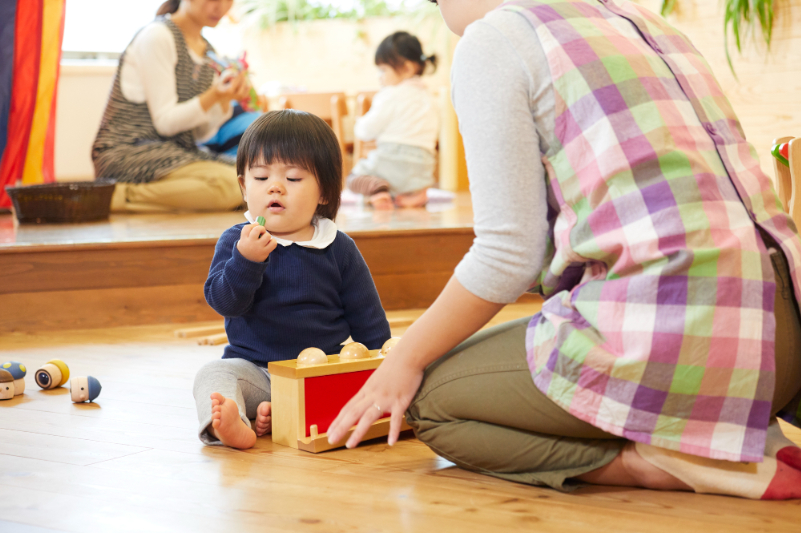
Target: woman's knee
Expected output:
[222,188]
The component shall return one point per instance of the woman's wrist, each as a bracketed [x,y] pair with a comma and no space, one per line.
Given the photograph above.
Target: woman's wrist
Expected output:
[209,98]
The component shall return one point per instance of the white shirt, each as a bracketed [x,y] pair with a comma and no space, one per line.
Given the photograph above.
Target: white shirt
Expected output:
[404,114]
[148,75]
[503,95]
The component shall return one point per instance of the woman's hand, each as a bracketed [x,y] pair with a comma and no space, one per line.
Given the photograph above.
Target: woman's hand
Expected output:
[231,85]
[454,316]
[391,389]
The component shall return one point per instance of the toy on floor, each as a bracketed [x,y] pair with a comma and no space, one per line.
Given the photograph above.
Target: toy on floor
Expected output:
[308,393]
[228,69]
[53,374]
[6,385]
[18,371]
[84,389]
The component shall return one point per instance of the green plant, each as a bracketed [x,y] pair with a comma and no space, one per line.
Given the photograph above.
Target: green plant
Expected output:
[667,7]
[268,13]
[742,15]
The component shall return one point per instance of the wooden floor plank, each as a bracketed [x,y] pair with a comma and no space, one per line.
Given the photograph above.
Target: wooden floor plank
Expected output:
[76,451]
[16,527]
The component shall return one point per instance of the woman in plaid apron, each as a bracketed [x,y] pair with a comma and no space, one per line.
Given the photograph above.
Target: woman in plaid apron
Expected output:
[669,339]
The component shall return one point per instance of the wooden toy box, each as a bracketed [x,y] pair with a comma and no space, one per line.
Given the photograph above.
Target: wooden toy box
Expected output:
[307,399]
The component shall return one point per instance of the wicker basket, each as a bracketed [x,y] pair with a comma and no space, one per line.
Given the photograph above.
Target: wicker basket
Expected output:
[80,201]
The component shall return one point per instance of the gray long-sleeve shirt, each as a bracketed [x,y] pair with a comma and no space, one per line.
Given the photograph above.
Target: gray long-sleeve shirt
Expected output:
[503,96]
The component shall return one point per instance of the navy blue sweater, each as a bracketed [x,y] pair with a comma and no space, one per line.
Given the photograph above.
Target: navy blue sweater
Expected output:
[298,298]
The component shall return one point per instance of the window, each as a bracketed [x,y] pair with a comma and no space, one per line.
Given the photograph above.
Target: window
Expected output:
[103,28]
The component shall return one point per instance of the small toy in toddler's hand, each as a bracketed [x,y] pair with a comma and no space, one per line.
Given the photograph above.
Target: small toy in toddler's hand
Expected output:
[84,389]
[260,221]
[782,153]
[18,371]
[228,69]
[53,374]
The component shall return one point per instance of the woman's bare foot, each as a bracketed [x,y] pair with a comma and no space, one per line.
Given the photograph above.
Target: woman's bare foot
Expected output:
[382,201]
[264,419]
[412,199]
[629,469]
[227,425]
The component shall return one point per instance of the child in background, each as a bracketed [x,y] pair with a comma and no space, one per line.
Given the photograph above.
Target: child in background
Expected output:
[294,283]
[403,119]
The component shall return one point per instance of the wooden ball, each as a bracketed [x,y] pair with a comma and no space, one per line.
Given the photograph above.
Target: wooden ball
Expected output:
[312,356]
[6,385]
[353,351]
[391,342]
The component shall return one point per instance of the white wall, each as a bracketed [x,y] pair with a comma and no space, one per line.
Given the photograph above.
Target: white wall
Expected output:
[82,94]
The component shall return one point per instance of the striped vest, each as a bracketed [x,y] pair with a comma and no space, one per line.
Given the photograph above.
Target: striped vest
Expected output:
[128,148]
[659,327]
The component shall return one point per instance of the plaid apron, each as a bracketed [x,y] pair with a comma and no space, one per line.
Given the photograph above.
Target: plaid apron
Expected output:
[659,322]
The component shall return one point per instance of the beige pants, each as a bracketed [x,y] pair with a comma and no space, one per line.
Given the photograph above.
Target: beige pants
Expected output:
[479,408]
[201,186]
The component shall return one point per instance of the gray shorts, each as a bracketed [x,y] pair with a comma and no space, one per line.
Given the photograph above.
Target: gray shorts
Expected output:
[406,168]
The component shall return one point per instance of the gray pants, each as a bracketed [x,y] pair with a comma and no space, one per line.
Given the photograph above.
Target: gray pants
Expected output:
[248,384]
[401,167]
[479,408]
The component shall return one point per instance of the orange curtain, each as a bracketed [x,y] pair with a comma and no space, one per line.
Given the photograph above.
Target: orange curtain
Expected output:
[26,156]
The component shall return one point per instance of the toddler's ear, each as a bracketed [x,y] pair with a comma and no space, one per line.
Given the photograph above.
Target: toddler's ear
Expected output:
[242,187]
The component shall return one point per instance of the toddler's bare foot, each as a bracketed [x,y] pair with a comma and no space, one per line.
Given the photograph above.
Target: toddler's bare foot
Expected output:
[412,199]
[382,201]
[264,419]
[227,425]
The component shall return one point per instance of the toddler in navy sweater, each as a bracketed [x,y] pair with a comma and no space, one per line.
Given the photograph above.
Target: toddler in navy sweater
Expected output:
[293,283]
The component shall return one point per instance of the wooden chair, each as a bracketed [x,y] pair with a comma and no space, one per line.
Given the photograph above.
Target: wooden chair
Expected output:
[362,148]
[788,179]
[331,107]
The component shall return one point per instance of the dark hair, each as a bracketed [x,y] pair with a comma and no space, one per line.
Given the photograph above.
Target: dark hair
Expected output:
[298,138]
[170,6]
[402,46]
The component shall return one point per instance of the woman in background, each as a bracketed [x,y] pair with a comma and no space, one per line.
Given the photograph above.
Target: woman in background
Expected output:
[165,99]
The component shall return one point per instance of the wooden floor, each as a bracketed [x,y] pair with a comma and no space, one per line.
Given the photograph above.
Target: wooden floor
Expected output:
[132,462]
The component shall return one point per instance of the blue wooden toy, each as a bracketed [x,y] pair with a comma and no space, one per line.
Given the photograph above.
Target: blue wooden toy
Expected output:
[18,371]
[84,389]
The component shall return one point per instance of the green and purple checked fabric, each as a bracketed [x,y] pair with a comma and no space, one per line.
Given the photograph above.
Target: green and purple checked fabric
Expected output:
[660,324]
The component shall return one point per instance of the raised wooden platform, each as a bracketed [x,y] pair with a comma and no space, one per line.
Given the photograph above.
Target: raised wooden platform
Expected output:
[149,269]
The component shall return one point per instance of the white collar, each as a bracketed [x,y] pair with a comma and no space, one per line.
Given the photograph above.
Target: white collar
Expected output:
[325,231]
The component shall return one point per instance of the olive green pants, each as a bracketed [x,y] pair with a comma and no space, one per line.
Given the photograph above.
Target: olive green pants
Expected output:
[479,408]
[199,186]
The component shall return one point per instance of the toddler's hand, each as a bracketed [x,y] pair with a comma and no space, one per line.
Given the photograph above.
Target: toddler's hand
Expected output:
[255,243]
